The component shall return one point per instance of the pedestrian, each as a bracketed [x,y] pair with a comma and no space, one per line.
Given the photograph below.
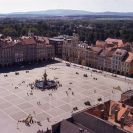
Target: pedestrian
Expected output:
[17,125]
[69,89]
[73,93]
[67,93]
[34,113]
[31,93]
[48,119]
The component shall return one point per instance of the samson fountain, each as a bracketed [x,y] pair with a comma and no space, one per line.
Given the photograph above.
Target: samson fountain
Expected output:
[45,83]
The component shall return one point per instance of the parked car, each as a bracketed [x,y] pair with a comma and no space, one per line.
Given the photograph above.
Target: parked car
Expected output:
[99,71]
[68,64]
[114,75]
[94,70]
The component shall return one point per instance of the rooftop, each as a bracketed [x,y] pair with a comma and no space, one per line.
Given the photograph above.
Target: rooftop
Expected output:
[108,52]
[116,113]
[56,39]
[27,40]
[69,127]
[24,40]
[127,97]
[120,52]
[96,50]
[114,42]
[62,38]
[41,39]
[100,43]
[7,42]
[128,93]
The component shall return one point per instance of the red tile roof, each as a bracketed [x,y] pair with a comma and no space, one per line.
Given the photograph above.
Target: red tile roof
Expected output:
[96,49]
[44,40]
[117,42]
[101,44]
[28,40]
[110,108]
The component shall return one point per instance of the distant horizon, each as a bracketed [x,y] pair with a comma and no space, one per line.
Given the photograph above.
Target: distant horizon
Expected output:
[11,6]
[65,9]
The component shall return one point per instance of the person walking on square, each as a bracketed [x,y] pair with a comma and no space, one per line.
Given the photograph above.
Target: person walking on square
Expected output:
[67,93]
[48,119]
[73,93]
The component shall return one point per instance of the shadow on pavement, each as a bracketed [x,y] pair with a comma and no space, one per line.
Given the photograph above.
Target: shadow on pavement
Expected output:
[23,67]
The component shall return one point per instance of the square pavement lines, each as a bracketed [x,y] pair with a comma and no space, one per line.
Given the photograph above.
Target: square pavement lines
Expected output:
[11,110]
[19,115]
[34,111]
[66,108]
[25,105]
[17,105]
[46,106]
[43,116]
[56,112]
[5,105]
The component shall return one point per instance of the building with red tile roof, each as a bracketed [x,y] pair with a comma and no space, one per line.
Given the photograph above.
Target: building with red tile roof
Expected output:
[114,43]
[115,113]
[109,55]
[108,117]
[101,44]
[25,49]
[27,40]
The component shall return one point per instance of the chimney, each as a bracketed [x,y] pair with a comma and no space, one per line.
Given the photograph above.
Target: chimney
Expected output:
[122,122]
[123,105]
[116,115]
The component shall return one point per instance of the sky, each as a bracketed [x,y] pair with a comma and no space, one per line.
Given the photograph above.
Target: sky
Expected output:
[7,6]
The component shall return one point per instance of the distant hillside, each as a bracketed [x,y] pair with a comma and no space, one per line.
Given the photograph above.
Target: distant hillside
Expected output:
[59,12]
[63,12]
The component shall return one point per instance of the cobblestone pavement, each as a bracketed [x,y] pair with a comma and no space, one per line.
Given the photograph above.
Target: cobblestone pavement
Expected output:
[16,103]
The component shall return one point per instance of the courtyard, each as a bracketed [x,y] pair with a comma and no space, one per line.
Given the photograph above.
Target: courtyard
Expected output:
[78,85]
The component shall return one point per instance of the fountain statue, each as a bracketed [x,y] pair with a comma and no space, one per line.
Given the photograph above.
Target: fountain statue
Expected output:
[45,83]
[45,77]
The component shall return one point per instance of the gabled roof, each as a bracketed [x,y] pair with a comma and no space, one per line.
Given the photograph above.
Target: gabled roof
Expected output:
[96,50]
[114,110]
[117,42]
[120,52]
[108,52]
[100,43]
[7,42]
[28,40]
[44,40]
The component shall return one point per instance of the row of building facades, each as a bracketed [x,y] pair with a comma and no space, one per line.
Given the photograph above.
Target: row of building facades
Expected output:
[112,55]
[25,49]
